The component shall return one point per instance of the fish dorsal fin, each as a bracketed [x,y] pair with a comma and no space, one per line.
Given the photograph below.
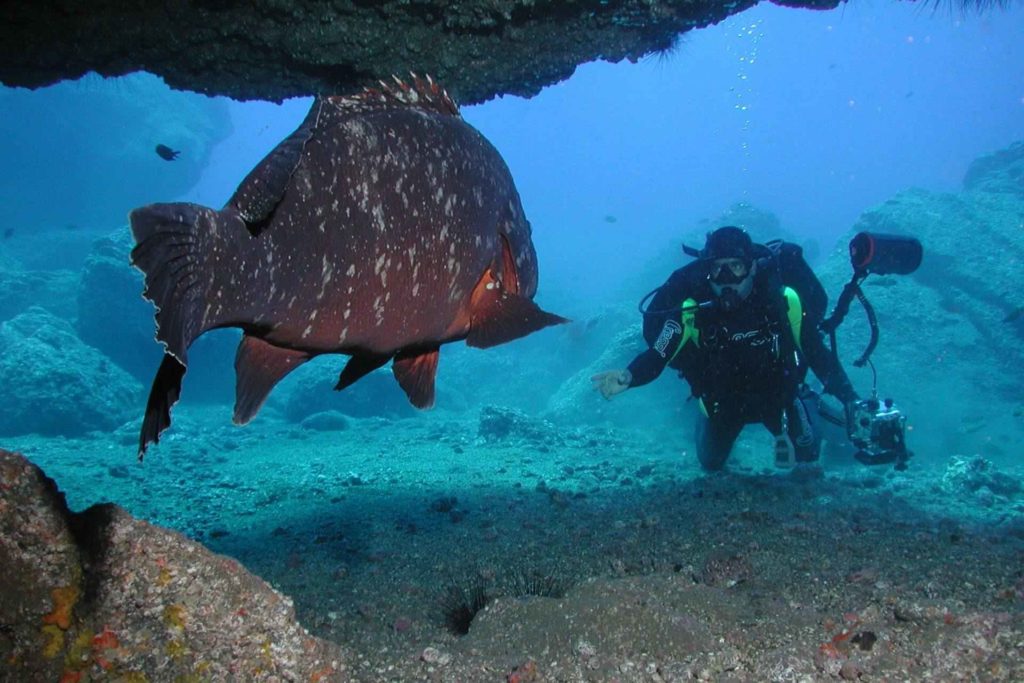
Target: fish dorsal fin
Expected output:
[260,365]
[421,93]
[415,371]
[262,189]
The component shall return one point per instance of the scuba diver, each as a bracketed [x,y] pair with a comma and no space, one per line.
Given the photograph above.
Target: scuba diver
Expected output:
[741,325]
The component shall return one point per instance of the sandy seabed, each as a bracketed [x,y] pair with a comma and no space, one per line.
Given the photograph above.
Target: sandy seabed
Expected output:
[586,554]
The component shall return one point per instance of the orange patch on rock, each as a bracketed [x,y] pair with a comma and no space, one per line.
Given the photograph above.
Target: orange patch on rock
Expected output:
[64,600]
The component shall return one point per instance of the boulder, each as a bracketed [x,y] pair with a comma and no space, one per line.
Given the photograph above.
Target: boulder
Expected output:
[662,403]
[53,290]
[56,385]
[112,315]
[114,318]
[99,595]
[310,390]
[1001,171]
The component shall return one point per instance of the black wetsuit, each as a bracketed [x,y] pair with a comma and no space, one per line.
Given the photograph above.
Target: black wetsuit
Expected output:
[745,366]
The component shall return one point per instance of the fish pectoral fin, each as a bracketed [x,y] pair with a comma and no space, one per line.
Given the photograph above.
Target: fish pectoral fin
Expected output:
[415,373]
[357,367]
[498,316]
[162,397]
[259,365]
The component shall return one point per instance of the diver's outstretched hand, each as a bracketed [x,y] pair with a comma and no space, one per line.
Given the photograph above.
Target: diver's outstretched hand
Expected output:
[611,382]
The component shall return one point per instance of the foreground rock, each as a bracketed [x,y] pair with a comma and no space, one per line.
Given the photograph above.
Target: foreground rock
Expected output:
[103,596]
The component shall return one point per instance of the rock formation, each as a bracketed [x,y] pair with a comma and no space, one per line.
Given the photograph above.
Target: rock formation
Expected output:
[100,595]
[477,48]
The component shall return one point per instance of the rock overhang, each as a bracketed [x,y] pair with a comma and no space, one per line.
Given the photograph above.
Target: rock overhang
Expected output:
[275,49]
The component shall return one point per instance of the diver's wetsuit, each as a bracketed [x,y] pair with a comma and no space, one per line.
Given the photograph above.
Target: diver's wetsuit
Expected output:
[745,365]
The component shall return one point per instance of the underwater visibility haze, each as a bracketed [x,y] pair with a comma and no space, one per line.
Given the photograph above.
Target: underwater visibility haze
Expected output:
[523,528]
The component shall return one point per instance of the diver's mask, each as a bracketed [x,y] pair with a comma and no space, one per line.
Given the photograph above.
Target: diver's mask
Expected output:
[732,280]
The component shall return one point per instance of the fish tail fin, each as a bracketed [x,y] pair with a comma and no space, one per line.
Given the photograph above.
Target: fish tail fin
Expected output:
[171,241]
[162,396]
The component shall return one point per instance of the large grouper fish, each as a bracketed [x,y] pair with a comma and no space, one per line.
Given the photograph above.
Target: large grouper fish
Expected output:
[383,227]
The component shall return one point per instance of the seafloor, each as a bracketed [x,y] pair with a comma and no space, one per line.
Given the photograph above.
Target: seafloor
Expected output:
[597,555]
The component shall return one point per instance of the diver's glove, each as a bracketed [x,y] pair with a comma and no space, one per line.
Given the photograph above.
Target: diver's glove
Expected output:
[612,382]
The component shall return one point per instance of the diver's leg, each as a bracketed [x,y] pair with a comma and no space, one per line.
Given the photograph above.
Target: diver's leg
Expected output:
[803,425]
[715,439]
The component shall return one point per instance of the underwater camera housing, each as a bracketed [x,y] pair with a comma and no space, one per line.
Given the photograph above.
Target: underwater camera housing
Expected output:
[882,254]
[878,430]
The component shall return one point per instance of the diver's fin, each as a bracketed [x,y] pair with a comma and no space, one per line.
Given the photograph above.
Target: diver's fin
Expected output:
[498,316]
[261,191]
[415,373]
[171,246]
[260,365]
[164,394]
[357,367]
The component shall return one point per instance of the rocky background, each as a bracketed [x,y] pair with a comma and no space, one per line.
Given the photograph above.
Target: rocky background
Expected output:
[73,200]
[950,335]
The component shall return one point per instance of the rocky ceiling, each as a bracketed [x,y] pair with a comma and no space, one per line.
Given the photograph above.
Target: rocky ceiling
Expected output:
[273,49]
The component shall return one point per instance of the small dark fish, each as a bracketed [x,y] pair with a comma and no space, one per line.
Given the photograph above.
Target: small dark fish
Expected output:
[71,226]
[1014,315]
[610,219]
[8,233]
[909,94]
[383,228]
[166,153]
